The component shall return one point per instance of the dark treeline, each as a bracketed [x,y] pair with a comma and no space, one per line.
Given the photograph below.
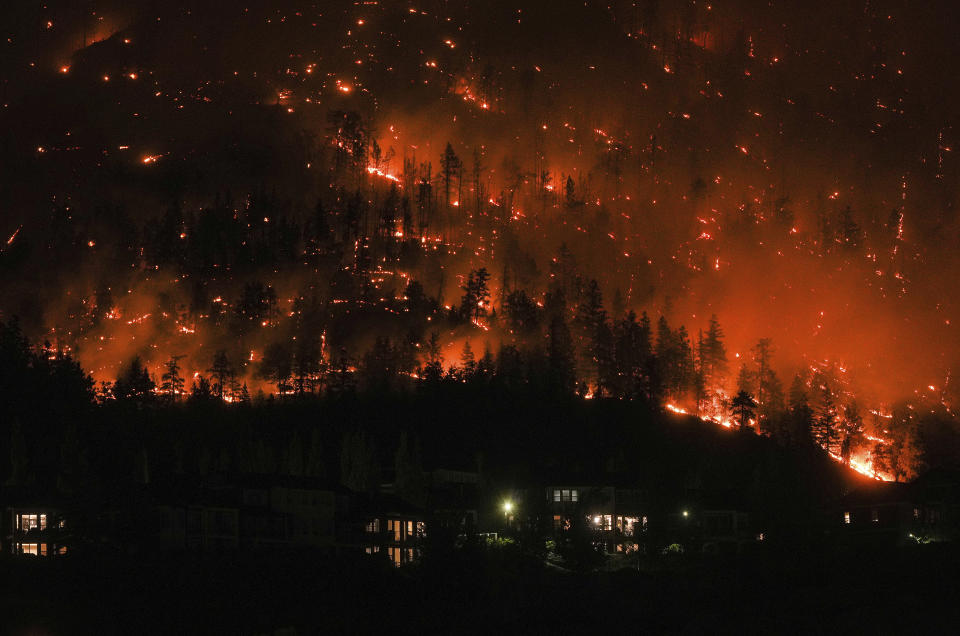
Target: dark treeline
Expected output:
[512,417]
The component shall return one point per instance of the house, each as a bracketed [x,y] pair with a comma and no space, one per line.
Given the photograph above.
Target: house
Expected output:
[393,528]
[207,518]
[257,511]
[453,499]
[36,530]
[926,510]
[616,515]
[715,529]
[290,511]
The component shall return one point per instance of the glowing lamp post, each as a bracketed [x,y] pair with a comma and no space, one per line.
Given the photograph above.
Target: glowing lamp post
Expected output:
[508,512]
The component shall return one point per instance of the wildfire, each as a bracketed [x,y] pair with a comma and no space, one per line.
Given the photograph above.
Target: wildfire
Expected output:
[385,175]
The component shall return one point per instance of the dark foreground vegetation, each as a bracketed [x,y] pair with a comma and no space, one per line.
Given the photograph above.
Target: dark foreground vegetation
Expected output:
[483,590]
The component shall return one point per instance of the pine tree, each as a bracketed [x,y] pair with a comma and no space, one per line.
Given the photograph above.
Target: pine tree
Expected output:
[468,363]
[201,390]
[476,295]
[744,409]
[222,372]
[562,375]
[171,381]
[852,433]
[713,354]
[801,415]
[276,365]
[433,370]
[825,432]
[134,383]
[590,315]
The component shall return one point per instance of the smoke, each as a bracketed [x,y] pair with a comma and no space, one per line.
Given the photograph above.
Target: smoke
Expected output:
[712,153]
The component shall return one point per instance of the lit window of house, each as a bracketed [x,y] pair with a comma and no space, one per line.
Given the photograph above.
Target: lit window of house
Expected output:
[566,495]
[409,527]
[628,525]
[574,495]
[846,517]
[421,529]
[557,522]
[373,527]
[36,549]
[394,526]
[372,549]
[394,555]
[556,495]
[33,522]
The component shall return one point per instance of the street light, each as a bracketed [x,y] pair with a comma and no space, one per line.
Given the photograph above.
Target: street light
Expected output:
[507,507]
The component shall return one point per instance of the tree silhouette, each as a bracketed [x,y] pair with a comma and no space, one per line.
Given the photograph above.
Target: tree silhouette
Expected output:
[476,295]
[744,409]
[222,372]
[276,365]
[171,381]
[134,383]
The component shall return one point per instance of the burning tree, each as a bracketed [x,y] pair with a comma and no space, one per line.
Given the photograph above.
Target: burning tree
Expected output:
[476,295]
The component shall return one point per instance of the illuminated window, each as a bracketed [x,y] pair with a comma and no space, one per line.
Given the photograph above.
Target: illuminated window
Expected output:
[36,549]
[557,522]
[421,529]
[33,522]
[409,532]
[846,517]
[916,513]
[574,495]
[395,527]
[566,495]
[372,549]
[556,495]
[394,555]
[61,549]
[373,527]
[628,525]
